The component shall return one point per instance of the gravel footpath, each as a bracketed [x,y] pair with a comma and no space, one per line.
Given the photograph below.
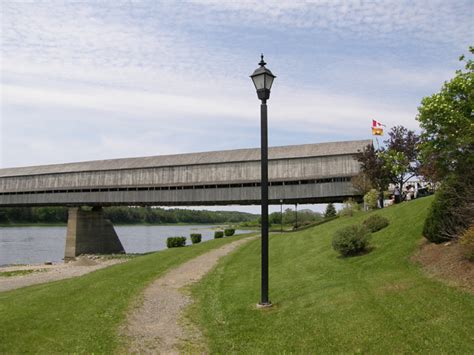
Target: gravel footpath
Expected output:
[47,273]
[156,325]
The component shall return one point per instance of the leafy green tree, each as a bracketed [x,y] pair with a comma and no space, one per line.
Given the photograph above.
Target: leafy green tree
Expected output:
[447,123]
[370,199]
[330,211]
[274,218]
[289,216]
[447,144]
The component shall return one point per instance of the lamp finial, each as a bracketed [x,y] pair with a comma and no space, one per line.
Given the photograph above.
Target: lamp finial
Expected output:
[262,62]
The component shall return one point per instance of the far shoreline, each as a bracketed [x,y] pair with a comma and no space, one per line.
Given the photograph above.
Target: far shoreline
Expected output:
[8,225]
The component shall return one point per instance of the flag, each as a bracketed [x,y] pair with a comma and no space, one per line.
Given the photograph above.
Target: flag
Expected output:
[377,124]
[377,129]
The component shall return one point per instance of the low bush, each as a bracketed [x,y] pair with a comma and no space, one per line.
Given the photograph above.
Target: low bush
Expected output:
[196,238]
[375,223]
[467,242]
[350,206]
[218,234]
[229,232]
[351,240]
[175,242]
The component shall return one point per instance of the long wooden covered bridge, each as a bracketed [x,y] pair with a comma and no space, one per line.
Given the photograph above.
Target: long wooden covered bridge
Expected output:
[309,173]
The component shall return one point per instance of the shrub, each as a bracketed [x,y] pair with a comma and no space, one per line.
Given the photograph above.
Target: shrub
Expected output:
[371,199]
[218,234]
[229,232]
[375,223]
[196,238]
[175,242]
[451,212]
[467,242]
[350,206]
[351,240]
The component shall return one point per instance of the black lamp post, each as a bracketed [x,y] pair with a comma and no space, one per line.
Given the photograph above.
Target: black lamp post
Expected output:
[263,80]
[281,216]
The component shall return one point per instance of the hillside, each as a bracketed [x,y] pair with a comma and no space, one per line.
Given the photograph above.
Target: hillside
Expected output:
[377,302]
[380,302]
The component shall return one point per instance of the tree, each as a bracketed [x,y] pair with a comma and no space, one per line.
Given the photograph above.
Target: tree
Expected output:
[275,218]
[447,145]
[330,211]
[401,155]
[446,119]
[289,216]
[373,165]
[361,183]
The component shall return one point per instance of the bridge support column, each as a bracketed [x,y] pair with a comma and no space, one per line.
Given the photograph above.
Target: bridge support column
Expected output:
[88,232]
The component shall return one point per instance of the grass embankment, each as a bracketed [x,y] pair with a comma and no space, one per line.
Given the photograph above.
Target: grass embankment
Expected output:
[83,314]
[378,302]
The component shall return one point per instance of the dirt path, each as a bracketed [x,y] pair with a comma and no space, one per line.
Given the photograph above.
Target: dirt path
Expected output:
[47,273]
[154,326]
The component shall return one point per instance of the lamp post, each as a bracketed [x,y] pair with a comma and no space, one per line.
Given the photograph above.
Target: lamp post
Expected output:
[263,80]
[296,216]
[281,216]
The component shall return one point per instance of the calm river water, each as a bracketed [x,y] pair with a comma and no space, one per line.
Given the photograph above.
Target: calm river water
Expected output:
[31,245]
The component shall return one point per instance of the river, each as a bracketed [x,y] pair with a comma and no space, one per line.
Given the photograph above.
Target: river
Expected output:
[32,245]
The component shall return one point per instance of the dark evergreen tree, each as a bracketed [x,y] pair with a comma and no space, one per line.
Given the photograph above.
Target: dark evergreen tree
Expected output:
[330,211]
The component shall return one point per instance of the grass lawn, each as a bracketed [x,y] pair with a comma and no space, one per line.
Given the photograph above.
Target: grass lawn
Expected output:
[83,314]
[380,302]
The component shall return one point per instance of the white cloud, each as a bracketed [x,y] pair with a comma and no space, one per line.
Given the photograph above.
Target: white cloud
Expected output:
[157,65]
[433,20]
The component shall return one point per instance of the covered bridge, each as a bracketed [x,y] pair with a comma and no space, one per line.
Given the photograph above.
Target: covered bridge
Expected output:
[309,173]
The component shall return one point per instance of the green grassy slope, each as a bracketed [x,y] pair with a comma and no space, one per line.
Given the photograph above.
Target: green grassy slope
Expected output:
[83,314]
[378,302]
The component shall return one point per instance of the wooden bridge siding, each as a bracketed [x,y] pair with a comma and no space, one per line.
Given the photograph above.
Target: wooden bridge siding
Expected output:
[283,169]
[319,192]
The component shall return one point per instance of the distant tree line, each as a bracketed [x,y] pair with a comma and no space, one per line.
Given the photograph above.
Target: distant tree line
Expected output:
[289,216]
[305,216]
[125,215]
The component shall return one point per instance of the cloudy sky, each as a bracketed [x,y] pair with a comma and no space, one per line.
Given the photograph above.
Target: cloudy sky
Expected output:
[108,79]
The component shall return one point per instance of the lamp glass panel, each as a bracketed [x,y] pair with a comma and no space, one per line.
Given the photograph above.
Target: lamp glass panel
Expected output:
[268,81]
[259,81]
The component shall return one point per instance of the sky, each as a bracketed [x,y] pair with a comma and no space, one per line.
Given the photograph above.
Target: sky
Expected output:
[88,80]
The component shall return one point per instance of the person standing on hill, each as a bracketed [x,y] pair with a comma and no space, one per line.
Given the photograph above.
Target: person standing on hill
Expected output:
[396,193]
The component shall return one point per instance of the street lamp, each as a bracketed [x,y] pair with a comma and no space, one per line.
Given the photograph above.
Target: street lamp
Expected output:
[263,79]
[281,216]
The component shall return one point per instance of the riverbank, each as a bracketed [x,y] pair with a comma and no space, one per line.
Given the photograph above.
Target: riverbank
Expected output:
[17,276]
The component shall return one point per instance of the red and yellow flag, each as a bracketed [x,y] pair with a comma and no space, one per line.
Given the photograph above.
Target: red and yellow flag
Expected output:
[377,129]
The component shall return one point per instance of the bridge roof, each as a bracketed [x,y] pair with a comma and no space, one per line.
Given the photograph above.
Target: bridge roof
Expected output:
[215,157]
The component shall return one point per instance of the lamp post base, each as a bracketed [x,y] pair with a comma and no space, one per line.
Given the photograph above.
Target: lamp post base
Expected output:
[264,305]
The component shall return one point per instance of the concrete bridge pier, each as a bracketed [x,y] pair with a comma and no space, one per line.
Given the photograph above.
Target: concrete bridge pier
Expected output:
[88,232]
